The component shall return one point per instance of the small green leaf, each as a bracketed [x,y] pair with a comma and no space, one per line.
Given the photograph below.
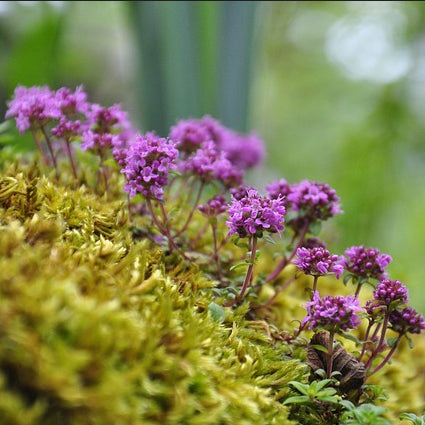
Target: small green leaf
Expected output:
[236,266]
[410,342]
[217,312]
[315,227]
[298,399]
[392,341]
[351,338]
[319,347]
[302,388]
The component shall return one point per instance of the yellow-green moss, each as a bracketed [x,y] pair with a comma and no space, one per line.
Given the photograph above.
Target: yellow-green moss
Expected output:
[92,331]
[99,326]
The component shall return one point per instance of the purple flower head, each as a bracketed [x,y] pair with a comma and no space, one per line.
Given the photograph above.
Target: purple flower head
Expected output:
[255,214]
[107,128]
[314,201]
[366,263]
[210,164]
[148,162]
[214,206]
[243,152]
[67,129]
[33,107]
[107,120]
[278,188]
[240,192]
[334,314]
[72,103]
[217,131]
[388,291]
[93,140]
[407,320]
[189,135]
[318,261]
[311,243]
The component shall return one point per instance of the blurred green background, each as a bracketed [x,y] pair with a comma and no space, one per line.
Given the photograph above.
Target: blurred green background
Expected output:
[335,89]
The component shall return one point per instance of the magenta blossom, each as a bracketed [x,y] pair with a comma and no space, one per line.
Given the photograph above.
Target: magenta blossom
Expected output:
[255,214]
[148,162]
[314,201]
[318,262]
[365,263]
[334,314]
[389,291]
[210,164]
[407,320]
[214,206]
[33,107]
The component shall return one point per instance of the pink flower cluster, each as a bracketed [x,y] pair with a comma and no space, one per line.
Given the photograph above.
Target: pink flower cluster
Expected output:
[253,214]
[318,261]
[334,314]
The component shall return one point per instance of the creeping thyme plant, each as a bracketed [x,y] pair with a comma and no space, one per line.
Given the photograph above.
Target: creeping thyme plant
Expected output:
[144,281]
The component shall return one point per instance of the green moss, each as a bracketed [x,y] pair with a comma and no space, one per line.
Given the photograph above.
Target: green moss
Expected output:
[98,325]
[93,330]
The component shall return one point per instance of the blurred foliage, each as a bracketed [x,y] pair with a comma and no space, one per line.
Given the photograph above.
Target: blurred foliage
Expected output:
[337,91]
[346,117]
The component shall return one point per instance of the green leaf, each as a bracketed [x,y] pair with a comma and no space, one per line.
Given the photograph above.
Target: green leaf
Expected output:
[302,388]
[351,338]
[217,312]
[315,227]
[236,266]
[392,341]
[298,399]
[319,347]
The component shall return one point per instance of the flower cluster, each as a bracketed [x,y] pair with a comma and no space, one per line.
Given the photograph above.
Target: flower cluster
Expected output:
[407,320]
[390,291]
[334,314]
[365,263]
[214,206]
[254,214]
[148,162]
[278,188]
[105,128]
[314,200]
[33,107]
[318,261]
[242,151]
[209,164]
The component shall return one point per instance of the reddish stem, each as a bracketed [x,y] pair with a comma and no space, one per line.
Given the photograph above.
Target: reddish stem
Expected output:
[50,147]
[249,273]
[275,273]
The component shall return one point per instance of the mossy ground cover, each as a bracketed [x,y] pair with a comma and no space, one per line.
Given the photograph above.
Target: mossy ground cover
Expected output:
[98,325]
[95,328]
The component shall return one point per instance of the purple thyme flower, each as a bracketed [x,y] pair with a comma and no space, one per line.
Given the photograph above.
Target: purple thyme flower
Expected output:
[67,129]
[243,152]
[214,206]
[318,261]
[314,200]
[278,188]
[33,107]
[210,164]
[333,313]
[148,162]
[240,192]
[388,291]
[72,103]
[189,135]
[255,214]
[311,243]
[107,128]
[366,263]
[407,320]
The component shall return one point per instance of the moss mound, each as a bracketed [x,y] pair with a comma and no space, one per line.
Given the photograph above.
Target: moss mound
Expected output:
[94,331]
